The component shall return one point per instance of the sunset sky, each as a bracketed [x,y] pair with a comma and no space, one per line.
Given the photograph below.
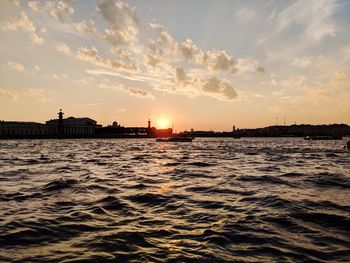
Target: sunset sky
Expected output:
[196,64]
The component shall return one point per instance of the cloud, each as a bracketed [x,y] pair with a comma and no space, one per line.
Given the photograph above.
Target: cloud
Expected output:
[10,3]
[123,24]
[245,14]
[36,39]
[294,82]
[152,52]
[156,26]
[22,23]
[26,25]
[221,61]
[341,78]
[139,93]
[160,51]
[132,91]
[167,50]
[93,104]
[165,53]
[121,54]
[193,85]
[180,75]
[313,18]
[85,26]
[216,60]
[36,94]
[33,5]
[15,66]
[187,48]
[133,77]
[91,55]
[315,92]
[60,10]
[163,49]
[165,56]
[63,48]
[301,62]
[220,88]
[245,65]
[260,69]
[152,60]
[8,94]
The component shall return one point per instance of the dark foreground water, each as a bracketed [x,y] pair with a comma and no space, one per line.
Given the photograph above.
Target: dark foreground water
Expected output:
[213,200]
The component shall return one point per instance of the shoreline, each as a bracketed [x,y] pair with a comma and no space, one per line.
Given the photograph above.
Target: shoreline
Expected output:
[142,137]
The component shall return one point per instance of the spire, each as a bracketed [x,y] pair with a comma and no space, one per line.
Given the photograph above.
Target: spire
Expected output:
[60,121]
[60,115]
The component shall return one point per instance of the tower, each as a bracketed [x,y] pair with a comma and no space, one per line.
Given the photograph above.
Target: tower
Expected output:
[60,121]
[60,115]
[149,124]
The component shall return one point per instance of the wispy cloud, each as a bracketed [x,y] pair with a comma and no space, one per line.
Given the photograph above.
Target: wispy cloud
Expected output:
[308,22]
[15,66]
[92,55]
[63,48]
[85,26]
[92,104]
[33,5]
[123,24]
[301,62]
[60,10]
[156,59]
[38,95]
[25,24]
[132,91]
[8,94]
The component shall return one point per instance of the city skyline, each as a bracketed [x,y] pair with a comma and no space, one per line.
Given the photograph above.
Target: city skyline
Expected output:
[196,64]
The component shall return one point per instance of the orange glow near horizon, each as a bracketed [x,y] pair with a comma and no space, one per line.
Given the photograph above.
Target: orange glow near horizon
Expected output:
[163,123]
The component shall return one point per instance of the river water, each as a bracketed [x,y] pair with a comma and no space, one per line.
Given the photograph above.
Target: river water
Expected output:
[137,200]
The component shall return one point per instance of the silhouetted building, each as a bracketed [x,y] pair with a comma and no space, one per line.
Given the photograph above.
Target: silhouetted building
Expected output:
[116,130]
[72,126]
[297,131]
[9,129]
[66,128]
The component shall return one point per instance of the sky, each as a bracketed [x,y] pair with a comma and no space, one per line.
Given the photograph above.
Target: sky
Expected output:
[191,64]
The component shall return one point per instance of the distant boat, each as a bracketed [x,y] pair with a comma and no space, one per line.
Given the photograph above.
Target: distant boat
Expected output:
[175,139]
[313,138]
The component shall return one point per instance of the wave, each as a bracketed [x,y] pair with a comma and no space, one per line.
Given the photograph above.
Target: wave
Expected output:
[59,184]
[215,200]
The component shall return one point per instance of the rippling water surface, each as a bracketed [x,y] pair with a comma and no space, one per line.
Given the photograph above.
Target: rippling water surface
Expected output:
[213,200]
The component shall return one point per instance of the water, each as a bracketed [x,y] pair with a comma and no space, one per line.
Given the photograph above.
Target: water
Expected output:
[213,200]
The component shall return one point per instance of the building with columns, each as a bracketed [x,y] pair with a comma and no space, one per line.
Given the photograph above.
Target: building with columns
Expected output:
[70,127]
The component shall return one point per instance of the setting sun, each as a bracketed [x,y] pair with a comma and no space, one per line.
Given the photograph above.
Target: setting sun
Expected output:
[163,123]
